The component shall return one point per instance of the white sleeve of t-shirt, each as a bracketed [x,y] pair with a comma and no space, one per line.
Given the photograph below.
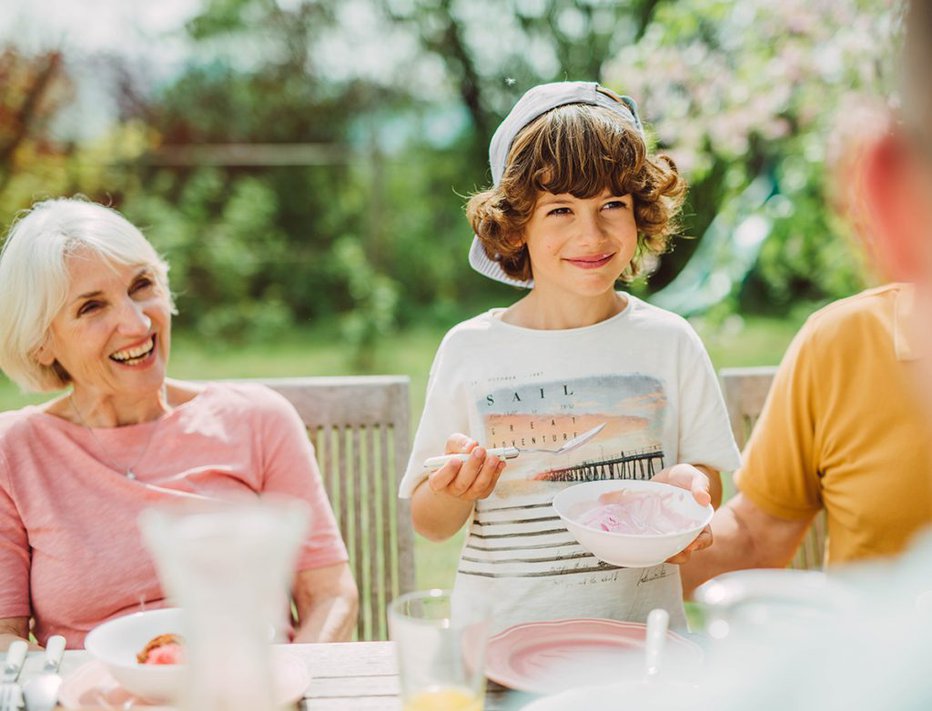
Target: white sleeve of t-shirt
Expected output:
[446,411]
[705,431]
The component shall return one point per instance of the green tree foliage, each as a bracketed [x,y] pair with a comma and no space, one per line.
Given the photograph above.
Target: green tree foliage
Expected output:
[494,50]
[734,89]
[376,297]
[491,52]
[282,194]
[253,236]
[31,162]
[731,90]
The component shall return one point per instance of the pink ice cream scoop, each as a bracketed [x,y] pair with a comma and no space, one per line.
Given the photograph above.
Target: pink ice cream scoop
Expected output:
[633,512]
[164,649]
[166,654]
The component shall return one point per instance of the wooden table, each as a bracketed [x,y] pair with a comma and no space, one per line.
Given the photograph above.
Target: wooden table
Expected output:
[352,676]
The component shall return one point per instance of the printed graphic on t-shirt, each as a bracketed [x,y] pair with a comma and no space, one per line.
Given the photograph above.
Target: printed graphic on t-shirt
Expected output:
[515,532]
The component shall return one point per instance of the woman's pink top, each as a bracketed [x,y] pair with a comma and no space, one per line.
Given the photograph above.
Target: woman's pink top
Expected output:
[71,554]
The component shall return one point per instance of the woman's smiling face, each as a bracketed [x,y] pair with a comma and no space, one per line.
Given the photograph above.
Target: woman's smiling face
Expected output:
[113,335]
[580,246]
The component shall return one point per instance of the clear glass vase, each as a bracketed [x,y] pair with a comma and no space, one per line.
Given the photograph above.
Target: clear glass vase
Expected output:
[228,566]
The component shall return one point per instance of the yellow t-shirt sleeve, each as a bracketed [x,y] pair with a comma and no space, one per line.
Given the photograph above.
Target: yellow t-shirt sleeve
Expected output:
[779,470]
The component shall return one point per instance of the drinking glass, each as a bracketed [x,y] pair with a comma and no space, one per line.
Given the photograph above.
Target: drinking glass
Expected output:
[228,566]
[441,651]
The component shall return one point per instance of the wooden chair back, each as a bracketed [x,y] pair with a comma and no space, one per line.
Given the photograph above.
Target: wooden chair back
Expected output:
[745,391]
[359,428]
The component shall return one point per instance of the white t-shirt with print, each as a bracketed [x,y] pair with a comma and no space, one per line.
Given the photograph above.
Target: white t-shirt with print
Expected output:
[643,374]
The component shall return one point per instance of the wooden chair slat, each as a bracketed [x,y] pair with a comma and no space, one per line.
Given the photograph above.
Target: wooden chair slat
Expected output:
[388,522]
[372,507]
[356,474]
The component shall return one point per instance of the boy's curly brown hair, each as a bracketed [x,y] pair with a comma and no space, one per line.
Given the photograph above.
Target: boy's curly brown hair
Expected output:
[582,150]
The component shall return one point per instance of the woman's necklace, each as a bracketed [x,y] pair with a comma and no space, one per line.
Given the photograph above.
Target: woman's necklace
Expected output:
[128,472]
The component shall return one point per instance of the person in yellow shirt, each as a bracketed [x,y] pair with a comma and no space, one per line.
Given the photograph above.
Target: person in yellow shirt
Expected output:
[875,651]
[842,430]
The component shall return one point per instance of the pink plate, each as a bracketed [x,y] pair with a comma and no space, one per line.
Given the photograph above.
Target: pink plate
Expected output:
[91,686]
[548,657]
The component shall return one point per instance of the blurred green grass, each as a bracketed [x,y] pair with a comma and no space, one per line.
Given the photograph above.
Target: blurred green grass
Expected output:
[321,351]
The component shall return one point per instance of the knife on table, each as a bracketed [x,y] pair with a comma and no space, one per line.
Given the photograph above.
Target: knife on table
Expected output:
[41,692]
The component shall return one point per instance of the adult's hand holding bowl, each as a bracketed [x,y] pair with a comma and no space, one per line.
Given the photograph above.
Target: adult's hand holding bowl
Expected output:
[648,545]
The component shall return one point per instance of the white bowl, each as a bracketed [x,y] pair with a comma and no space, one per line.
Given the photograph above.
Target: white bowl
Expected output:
[117,641]
[624,549]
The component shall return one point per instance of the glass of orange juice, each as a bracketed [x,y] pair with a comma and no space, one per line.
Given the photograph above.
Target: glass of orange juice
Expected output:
[440,646]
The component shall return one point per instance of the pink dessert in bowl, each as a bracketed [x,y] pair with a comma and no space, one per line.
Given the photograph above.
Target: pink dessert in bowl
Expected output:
[633,511]
[164,649]
[167,654]
[634,524]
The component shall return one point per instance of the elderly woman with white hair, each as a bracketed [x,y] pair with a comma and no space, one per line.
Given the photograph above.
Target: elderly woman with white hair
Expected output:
[87,308]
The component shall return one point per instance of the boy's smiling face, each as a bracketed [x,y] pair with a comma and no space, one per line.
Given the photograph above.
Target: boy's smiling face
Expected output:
[579,247]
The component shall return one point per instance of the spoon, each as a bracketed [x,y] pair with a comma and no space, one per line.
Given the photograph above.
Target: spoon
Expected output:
[655,640]
[512,452]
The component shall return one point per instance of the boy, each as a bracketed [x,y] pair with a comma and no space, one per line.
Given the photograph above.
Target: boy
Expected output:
[576,203]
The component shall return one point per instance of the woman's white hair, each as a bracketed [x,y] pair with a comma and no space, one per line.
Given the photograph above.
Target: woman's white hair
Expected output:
[34,276]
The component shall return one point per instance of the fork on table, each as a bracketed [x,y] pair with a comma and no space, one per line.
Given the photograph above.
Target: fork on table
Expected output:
[11,695]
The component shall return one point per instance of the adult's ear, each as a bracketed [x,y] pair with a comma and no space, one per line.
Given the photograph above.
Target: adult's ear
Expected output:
[44,354]
[899,221]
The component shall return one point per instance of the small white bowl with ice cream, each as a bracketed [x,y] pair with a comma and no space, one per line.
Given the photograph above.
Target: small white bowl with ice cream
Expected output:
[117,643]
[160,677]
[632,524]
